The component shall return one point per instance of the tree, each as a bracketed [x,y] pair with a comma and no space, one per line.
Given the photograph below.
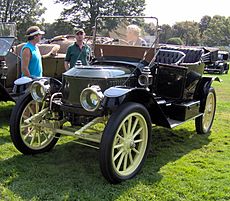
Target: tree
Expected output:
[166,33]
[218,32]
[58,28]
[204,23]
[24,12]
[175,41]
[84,12]
[188,31]
[149,28]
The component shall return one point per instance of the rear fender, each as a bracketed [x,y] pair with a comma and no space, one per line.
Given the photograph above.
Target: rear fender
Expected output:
[115,96]
[202,90]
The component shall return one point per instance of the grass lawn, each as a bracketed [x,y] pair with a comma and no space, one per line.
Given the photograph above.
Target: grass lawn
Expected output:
[181,166]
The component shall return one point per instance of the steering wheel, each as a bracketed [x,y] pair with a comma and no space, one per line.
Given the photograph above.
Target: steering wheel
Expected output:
[116,42]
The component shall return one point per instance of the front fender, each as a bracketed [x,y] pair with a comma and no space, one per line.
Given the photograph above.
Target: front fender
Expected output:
[113,92]
[115,96]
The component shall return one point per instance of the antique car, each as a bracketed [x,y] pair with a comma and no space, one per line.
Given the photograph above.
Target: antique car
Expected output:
[7,38]
[220,64]
[112,104]
[53,66]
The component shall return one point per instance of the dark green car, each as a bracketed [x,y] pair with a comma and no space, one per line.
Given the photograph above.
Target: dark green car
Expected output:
[112,104]
[220,64]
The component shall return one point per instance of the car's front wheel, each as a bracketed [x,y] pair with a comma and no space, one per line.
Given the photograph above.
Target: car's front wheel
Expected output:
[204,122]
[125,142]
[27,136]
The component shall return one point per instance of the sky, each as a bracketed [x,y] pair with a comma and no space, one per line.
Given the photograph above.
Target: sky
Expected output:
[167,11]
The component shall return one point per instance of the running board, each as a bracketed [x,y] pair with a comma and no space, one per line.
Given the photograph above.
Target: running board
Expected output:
[173,123]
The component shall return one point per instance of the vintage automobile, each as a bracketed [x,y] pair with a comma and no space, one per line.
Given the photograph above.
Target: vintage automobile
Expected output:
[7,38]
[112,104]
[53,66]
[220,64]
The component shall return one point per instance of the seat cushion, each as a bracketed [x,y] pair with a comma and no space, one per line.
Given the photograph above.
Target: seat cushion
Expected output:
[192,55]
[169,56]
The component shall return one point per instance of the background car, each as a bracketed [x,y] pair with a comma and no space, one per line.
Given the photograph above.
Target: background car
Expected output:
[220,64]
[53,66]
[112,104]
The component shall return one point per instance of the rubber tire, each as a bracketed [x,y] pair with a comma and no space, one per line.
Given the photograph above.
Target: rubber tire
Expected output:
[108,136]
[199,120]
[221,70]
[15,130]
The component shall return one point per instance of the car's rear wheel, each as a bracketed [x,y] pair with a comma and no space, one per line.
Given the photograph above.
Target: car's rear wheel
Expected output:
[204,122]
[125,142]
[221,70]
[30,138]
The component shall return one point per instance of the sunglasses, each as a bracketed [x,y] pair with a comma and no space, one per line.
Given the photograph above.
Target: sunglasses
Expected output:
[79,33]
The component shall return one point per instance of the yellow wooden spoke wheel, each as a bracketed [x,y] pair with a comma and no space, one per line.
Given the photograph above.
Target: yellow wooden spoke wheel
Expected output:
[204,122]
[27,136]
[125,142]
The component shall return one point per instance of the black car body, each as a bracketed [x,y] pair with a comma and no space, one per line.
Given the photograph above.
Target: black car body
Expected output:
[7,38]
[220,64]
[116,100]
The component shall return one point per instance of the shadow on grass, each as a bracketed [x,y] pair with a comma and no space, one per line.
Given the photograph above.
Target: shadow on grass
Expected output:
[5,137]
[5,112]
[71,172]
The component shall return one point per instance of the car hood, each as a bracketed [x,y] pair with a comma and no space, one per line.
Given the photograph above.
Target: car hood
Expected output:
[99,71]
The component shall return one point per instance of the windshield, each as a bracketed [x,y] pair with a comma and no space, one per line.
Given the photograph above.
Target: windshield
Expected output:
[5,45]
[126,31]
[8,29]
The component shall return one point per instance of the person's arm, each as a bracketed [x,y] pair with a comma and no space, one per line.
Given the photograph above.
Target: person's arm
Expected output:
[67,59]
[53,52]
[26,55]
[90,55]
[66,65]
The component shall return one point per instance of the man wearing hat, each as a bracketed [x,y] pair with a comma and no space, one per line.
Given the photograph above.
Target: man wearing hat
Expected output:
[77,51]
[31,64]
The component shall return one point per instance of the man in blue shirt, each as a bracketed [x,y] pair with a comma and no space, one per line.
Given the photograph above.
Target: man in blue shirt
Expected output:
[31,63]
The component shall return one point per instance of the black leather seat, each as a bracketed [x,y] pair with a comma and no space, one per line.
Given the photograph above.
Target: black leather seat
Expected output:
[165,56]
[192,55]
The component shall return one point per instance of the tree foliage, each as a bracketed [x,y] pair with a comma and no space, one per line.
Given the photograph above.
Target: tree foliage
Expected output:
[210,31]
[217,32]
[204,23]
[166,33]
[188,31]
[58,28]
[175,41]
[24,12]
[84,12]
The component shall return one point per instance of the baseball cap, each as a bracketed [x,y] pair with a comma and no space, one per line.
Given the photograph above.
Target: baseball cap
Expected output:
[34,30]
[79,30]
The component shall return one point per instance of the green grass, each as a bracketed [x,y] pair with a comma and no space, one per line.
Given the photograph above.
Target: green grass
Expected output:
[181,165]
